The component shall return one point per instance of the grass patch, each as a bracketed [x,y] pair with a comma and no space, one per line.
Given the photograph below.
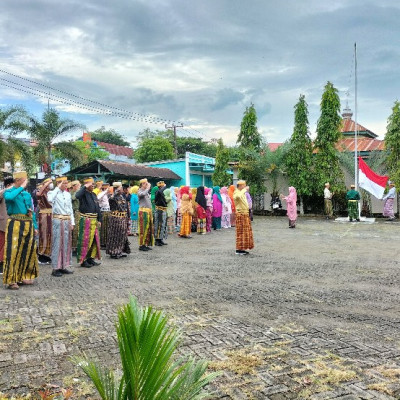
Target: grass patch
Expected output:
[240,362]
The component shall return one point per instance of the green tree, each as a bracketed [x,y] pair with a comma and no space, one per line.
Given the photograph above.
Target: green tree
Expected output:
[14,120]
[326,160]
[220,177]
[79,154]
[250,153]
[249,137]
[156,149]
[183,143]
[392,143]
[150,369]
[298,158]
[109,136]
[47,131]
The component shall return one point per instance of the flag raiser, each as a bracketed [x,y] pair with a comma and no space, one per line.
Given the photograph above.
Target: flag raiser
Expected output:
[371,181]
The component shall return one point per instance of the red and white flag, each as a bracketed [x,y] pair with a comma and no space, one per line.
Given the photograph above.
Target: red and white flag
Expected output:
[371,181]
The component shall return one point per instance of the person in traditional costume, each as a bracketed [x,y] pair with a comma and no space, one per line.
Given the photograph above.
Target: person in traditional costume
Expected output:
[170,212]
[389,201]
[226,208]
[174,199]
[45,222]
[193,191]
[127,194]
[160,214]
[153,198]
[103,198]
[8,182]
[291,201]
[230,194]
[146,234]
[217,208]
[352,197]
[187,212]
[74,186]
[244,232]
[178,209]
[201,202]
[134,210]
[88,247]
[328,201]
[63,224]
[97,189]
[117,235]
[249,202]
[20,249]
[208,194]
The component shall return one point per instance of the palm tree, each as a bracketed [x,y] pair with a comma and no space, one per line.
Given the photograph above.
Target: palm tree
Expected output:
[150,370]
[46,132]
[13,120]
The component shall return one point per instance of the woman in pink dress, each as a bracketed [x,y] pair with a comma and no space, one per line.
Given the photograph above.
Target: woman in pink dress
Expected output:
[291,200]
[217,209]
[208,194]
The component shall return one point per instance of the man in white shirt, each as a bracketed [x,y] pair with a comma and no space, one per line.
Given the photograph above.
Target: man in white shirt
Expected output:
[328,201]
[63,224]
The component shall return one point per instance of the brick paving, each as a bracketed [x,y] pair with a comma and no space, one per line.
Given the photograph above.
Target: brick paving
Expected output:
[311,313]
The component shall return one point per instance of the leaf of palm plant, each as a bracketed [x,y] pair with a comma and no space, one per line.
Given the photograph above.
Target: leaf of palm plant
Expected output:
[150,372]
[103,379]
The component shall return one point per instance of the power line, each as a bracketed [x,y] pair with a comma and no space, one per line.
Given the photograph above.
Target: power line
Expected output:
[161,120]
[109,111]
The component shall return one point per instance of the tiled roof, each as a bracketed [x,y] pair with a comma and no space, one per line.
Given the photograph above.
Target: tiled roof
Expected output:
[348,125]
[115,149]
[363,144]
[124,169]
[274,146]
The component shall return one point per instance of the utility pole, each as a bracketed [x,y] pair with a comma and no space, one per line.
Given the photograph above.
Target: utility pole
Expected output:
[174,128]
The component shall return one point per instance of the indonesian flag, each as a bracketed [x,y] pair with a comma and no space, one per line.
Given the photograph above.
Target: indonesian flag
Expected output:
[370,181]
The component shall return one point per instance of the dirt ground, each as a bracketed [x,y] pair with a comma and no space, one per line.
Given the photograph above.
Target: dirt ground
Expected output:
[312,312]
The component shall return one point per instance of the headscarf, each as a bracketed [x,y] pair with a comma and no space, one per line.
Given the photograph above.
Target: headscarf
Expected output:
[184,190]
[216,190]
[230,194]
[292,195]
[200,197]
[173,197]
[134,189]
[224,190]
[193,192]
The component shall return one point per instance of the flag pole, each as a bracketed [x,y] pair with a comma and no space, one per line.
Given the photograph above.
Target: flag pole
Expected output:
[355,130]
[355,119]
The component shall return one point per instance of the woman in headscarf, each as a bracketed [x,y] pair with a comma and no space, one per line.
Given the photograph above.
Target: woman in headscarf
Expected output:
[208,195]
[134,210]
[170,211]
[226,208]
[194,204]
[233,214]
[187,212]
[201,211]
[291,200]
[217,208]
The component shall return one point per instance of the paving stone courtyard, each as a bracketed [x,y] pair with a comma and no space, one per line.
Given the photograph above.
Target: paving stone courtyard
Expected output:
[313,313]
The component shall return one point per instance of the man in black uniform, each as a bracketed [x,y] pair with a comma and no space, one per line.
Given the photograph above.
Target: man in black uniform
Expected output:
[160,215]
[88,246]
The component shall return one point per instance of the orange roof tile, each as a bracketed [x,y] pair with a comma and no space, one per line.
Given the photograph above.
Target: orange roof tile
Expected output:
[363,144]
[115,149]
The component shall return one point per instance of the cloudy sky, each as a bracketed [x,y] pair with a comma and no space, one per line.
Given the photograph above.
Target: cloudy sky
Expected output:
[199,62]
